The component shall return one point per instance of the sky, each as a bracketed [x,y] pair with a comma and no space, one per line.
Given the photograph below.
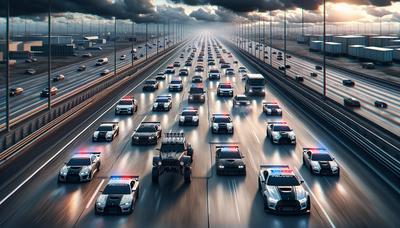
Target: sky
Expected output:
[204,11]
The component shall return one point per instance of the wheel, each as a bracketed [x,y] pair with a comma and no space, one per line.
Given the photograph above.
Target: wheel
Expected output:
[308,203]
[187,174]
[154,174]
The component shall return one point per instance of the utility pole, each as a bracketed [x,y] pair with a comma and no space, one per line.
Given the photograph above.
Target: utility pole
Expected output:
[270,38]
[284,42]
[302,22]
[264,42]
[133,38]
[7,57]
[115,43]
[324,50]
[49,58]
[158,32]
[164,35]
[146,45]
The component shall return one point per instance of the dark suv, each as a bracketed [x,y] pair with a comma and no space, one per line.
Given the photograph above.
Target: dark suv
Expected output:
[197,93]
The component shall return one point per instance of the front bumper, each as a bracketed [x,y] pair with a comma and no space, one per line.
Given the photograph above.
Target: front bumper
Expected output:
[102,139]
[161,108]
[222,130]
[144,141]
[123,111]
[231,171]
[284,141]
[188,123]
[113,210]
[325,172]
[175,89]
[225,93]
[288,207]
[70,178]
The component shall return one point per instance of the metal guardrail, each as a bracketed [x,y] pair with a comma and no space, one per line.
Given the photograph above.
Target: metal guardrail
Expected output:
[33,125]
[377,142]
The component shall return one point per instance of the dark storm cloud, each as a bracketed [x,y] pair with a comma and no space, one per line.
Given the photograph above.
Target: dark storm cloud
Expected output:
[219,15]
[264,5]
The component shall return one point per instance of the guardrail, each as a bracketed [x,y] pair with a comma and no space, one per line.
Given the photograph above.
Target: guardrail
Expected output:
[33,125]
[380,144]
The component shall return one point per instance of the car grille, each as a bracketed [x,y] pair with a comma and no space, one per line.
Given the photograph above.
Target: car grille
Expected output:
[170,162]
[112,209]
[73,178]
[288,205]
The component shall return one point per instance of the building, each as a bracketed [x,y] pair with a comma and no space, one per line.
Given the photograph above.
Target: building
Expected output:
[348,40]
[44,39]
[381,41]
[56,50]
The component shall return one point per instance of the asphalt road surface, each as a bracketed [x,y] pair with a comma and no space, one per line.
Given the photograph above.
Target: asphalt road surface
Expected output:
[357,198]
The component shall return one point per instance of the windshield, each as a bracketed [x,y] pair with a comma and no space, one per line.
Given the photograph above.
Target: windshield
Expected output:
[189,113]
[225,86]
[162,100]
[176,82]
[282,128]
[214,71]
[273,106]
[229,155]
[79,162]
[321,157]
[120,189]
[125,102]
[284,180]
[104,128]
[221,120]
[172,148]
[196,90]
[240,98]
[146,128]
[256,81]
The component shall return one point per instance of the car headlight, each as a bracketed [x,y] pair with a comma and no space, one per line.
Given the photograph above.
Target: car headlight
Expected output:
[334,167]
[151,137]
[303,200]
[229,125]
[155,105]
[221,166]
[181,118]
[276,135]
[293,136]
[279,110]
[263,90]
[100,204]
[126,204]
[237,103]
[315,165]
[64,171]
[109,134]
[269,110]
[166,105]
[250,90]
[159,163]
[195,118]
[190,96]
[215,125]
[181,163]
[272,200]
[136,137]
[240,166]
[117,108]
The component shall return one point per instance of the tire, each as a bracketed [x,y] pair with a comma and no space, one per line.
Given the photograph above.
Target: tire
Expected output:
[187,174]
[308,204]
[155,174]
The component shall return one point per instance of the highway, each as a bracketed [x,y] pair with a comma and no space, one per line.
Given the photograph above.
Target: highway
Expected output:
[364,90]
[357,198]
[31,99]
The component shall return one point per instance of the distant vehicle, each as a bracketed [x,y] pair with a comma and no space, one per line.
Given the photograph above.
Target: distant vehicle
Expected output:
[127,105]
[150,85]
[87,55]
[59,77]
[29,60]
[189,116]
[348,82]
[188,63]
[30,71]
[181,56]
[162,103]
[197,79]
[211,63]
[102,61]
[280,133]
[225,65]
[139,47]
[105,72]
[107,131]
[119,196]
[160,76]
[133,51]
[235,62]
[313,74]
[197,93]
[225,89]
[368,65]
[177,64]
[170,69]
[351,102]
[281,67]
[122,57]
[183,72]
[229,160]
[222,123]
[176,155]
[242,70]
[135,57]
[80,168]
[175,85]
[82,68]
[16,91]
[255,84]
[141,55]
[199,68]
[380,104]
[299,78]
[272,109]
[282,191]
[240,100]
[45,92]
[320,161]
[214,74]
[229,72]
[317,67]
[147,133]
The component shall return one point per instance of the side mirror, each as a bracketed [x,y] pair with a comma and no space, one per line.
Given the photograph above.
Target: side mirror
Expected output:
[302,181]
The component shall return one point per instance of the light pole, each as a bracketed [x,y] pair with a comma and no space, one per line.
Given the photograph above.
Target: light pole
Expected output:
[284,42]
[164,35]
[133,38]
[270,38]
[324,49]
[49,57]
[7,57]
[115,45]
[146,45]
[157,37]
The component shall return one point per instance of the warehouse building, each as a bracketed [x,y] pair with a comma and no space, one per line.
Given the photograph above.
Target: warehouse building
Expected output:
[348,40]
[381,41]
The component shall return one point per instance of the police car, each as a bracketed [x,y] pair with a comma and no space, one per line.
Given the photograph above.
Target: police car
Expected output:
[241,99]
[127,105]
[147,133]
[163,103]
[280,133]
[183,72]
[221,123]
[107,131]
[272,108]
[81,167]
[175,85]
[214,74]
[229,160]
[225,89]
[282,191]
[119,196]
[197,79]
[169,70]
[189,116]
[320,161]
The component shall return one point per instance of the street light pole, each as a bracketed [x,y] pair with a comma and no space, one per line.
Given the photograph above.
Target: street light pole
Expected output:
[115,45]
[146,45]
[324,47]
[49,58]
[7,57]
[284,42]
[270,38]
[133,31]
[158,32]
[164,35]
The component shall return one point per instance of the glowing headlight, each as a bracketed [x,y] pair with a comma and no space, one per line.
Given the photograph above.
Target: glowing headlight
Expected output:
[276,135]
[166,104]
[221,166]
[315,165]
[151,137]
[181,118]
[272,200]
[229,126]
[195,118]
[334,167]
[303,200]
[250,90]
[136,137]
[191,97]
[159,163]
[182,163]
[215,125]
[126,204]
[117,108]
[240,166]
[109,134]
[155,105]
[100,204]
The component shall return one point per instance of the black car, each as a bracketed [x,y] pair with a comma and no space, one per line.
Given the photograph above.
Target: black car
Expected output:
[150,85]
[318,67]
[177,64]
[197,79]
[380,104]
[162,103]
[199,69]
[197,94]
[348,82]
[351,102]
[183,72]
[189,116]
[147,133]
[229,160]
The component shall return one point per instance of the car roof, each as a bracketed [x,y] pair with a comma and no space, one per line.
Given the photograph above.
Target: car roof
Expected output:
[316,150]
[86,155]
[278,170]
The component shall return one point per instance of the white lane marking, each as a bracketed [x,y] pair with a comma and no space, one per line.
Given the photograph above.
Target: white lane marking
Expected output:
[316,200]
[77,136]
[253,164]
[234,187]
[158,204]
[255,135]
[94,194]
[143,118]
